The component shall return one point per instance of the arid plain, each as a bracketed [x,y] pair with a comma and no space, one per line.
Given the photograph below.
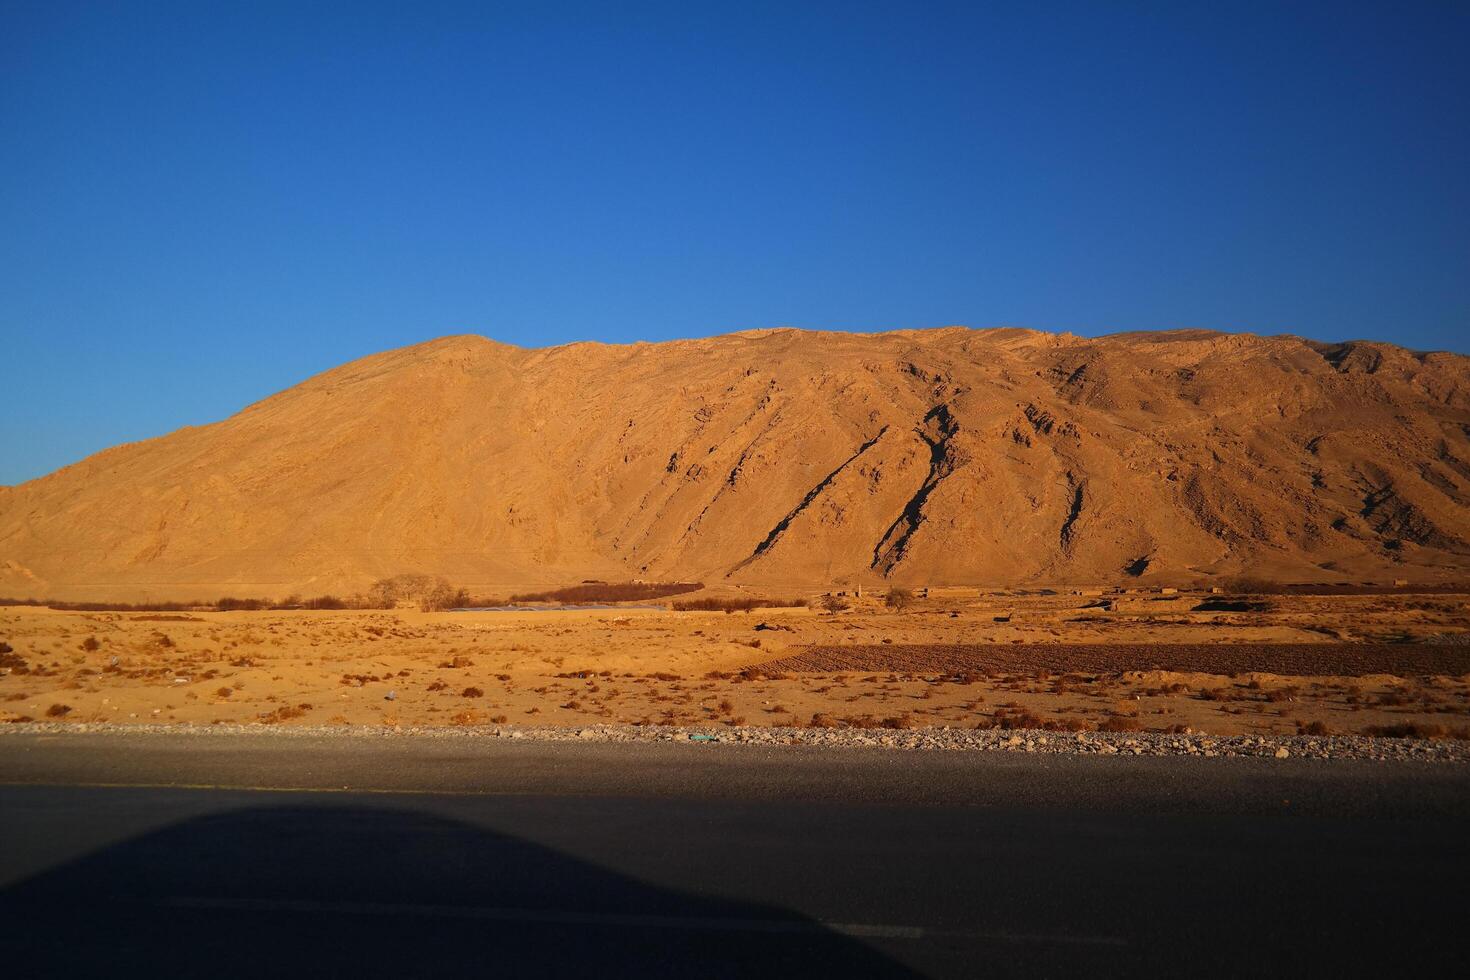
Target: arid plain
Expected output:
[1393,663]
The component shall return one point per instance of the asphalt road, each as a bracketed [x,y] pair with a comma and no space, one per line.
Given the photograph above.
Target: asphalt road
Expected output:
[253,856]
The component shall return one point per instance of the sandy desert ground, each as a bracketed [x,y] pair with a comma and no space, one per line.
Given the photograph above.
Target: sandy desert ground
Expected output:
[1140,661]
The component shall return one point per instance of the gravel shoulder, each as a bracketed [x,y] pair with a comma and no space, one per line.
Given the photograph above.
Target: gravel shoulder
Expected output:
[913,740]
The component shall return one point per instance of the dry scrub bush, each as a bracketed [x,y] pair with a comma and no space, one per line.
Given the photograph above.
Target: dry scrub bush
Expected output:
[898,599]
[106,606]
[233,604]
[1017,718]
[895,722]
[432,593]
[442,596]
[834,604]
[285,712]
[386,593]
[224,604]
[12,662]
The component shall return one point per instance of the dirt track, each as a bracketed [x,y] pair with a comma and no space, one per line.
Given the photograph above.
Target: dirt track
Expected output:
[1303,659]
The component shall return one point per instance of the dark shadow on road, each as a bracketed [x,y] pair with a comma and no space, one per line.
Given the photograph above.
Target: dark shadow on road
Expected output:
[359,891]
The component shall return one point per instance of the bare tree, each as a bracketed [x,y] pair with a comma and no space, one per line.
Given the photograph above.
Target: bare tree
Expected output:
[898,599]
[429,591]
[443,596]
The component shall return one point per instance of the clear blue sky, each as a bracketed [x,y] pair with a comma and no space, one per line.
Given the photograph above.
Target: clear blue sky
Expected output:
[202,203]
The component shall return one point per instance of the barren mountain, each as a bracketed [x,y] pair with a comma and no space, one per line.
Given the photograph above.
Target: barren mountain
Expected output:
[785,458]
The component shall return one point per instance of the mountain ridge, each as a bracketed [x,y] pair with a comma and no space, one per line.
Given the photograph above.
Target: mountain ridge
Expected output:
[1003,456]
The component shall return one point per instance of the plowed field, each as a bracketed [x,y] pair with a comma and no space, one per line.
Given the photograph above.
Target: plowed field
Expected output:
[1337,659]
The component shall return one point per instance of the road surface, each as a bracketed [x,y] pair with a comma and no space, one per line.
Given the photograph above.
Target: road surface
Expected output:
[259,856]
